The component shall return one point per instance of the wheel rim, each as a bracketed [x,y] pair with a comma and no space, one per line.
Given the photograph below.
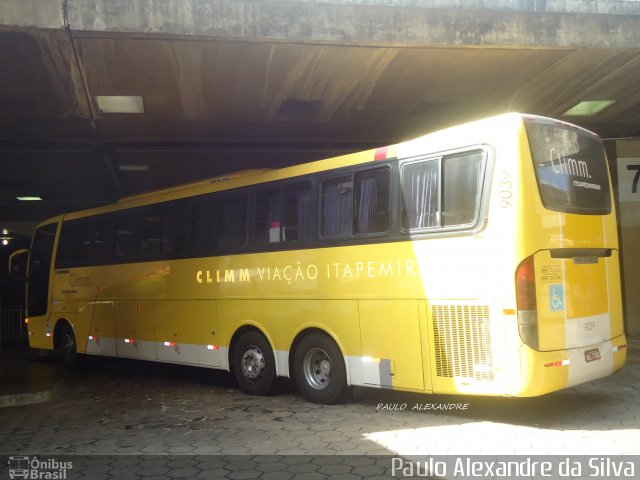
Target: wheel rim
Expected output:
[252,363]
[317,368]
[68,345]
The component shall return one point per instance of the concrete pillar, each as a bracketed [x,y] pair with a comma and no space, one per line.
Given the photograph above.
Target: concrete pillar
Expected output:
[627,167]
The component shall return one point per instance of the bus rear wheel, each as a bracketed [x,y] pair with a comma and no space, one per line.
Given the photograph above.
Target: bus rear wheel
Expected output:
[66,345]
[254,364]
[319,369]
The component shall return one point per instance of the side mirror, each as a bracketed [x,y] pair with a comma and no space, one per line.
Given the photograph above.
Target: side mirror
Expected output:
[18,264]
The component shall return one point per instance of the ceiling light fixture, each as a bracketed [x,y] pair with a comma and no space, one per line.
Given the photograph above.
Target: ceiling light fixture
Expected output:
[28,198]
[588,108]
[120,103]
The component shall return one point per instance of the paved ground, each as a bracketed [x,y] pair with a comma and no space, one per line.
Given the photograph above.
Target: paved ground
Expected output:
[115,407]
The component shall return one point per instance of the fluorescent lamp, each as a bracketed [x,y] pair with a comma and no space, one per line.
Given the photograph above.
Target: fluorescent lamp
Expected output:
[133,168]
[588,108]
[27,198]
[120,103]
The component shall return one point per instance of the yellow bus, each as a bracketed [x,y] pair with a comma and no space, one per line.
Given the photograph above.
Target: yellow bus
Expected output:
[480,259]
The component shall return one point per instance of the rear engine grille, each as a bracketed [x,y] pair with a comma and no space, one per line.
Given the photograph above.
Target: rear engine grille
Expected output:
[462,341]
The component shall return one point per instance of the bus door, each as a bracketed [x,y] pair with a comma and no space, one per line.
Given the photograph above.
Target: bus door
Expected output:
[39,270]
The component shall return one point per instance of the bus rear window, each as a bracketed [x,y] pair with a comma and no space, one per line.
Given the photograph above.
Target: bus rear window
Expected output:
[571,168]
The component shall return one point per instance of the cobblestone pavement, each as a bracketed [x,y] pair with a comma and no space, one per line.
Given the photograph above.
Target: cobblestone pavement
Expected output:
[117,407]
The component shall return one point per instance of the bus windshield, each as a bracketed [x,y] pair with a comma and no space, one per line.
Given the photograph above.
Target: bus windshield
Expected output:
[571,168]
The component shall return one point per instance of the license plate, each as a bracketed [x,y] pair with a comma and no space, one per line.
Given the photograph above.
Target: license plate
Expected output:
[592,355]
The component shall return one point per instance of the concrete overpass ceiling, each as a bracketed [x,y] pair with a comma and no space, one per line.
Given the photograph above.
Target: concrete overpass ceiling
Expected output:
[227,85]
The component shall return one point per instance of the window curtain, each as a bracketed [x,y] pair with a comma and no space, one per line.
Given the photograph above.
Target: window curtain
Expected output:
[462,182]
[273,218]
[367,206]
[337,208]
[303,207]
[421,196]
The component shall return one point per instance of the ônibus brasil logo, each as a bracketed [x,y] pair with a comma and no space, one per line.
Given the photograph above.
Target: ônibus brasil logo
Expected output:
[34,468]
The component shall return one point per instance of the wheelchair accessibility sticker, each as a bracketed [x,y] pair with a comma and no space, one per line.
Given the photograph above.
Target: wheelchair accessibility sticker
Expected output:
[556,297]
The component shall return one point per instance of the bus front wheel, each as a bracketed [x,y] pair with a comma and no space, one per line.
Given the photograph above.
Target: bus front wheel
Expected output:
[254,364]
[66,345]
[319,369]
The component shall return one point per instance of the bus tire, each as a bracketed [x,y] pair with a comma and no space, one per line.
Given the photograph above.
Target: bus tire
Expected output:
[66,345]
[254,364]
[319,369]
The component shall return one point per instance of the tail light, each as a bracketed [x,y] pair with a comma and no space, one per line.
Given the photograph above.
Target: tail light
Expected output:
[526,302]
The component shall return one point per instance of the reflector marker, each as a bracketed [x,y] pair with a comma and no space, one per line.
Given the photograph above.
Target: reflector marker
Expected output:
[129,340]
[558,363]
[618,348]
[381,153]
[370,360]
[169,344]
[212,347]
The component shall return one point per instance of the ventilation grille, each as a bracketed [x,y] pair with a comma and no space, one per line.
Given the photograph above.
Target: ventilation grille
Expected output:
[462,341]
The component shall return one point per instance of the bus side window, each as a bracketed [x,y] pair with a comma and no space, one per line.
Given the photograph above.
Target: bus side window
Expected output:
[297,212]
[420,195]
[65,256]
[173,230]
[372,201]
[150,236]
[103,240]
[219,223]
[268,217]
[125,236]
[233,222]
[462,181]
[85,235]
[337,207]
[204,227]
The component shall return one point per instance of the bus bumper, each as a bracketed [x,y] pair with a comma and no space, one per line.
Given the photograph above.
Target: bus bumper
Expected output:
[544,372]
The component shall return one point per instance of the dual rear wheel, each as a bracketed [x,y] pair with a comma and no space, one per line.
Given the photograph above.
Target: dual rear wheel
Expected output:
[318,367]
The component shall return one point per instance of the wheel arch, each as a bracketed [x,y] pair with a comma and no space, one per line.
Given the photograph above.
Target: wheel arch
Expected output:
[57,329]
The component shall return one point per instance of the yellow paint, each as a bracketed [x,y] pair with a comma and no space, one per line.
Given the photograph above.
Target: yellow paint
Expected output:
[387,327]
